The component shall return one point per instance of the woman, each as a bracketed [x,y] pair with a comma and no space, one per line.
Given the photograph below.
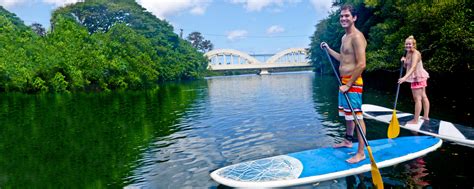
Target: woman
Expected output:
[417,76]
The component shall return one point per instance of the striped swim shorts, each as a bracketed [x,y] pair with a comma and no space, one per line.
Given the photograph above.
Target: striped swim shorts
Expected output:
[355,97]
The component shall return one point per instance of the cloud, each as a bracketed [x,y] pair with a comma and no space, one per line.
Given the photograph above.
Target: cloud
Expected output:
[275,29]
[236,34]
[164,8]
[56,3]
[199,10]
[61,2]
[258,5]
[12,3]
[322,6]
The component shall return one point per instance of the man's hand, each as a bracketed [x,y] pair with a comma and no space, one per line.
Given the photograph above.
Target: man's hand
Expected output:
[344,88]
[324,45]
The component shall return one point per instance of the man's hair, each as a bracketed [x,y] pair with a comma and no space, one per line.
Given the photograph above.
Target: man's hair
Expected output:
[350,8]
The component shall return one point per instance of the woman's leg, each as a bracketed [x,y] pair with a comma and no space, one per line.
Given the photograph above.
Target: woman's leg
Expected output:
[417,97]
[426,105]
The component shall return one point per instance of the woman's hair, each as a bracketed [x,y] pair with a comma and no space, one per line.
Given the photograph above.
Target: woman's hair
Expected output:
[412,39]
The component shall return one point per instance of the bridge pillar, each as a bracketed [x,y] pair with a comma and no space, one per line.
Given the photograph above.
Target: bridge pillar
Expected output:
[264,72]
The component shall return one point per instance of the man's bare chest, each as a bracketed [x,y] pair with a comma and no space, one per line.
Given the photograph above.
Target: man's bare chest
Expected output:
[346,48]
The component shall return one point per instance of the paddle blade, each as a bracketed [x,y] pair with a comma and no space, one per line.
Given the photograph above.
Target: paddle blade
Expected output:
[376,177]
[394,126]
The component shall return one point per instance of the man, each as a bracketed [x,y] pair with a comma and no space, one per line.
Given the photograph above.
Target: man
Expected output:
[352,64]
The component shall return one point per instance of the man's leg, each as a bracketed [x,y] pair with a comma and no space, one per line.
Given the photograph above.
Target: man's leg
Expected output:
[360,155]
[347,142]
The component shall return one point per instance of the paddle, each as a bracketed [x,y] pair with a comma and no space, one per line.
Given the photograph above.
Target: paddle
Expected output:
[376,177]
[394,126]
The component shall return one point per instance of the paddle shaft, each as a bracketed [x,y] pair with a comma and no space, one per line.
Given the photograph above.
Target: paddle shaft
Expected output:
[398,87]
[347,99]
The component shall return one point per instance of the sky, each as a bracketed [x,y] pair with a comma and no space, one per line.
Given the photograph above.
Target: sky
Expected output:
[251,26]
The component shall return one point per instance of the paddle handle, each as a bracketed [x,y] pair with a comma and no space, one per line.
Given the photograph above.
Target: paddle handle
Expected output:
[398,86]
[347,99]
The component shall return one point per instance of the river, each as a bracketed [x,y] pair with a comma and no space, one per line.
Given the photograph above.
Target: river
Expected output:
[174,136]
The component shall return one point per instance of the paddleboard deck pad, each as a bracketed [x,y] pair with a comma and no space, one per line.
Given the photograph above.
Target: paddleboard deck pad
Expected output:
[322,164]
[459,134]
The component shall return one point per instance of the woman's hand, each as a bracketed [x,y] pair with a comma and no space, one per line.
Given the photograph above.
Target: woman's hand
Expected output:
[401,80]
[403,59]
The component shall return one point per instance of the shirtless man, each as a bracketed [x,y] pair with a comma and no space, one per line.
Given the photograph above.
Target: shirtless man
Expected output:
[352,64]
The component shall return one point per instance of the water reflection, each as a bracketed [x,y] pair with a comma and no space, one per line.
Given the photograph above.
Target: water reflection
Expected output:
[82,140]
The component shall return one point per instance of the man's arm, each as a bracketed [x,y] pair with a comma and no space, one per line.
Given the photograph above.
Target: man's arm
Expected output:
[333,53]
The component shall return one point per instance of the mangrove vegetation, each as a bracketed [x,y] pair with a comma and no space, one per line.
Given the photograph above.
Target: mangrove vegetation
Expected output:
[96,45]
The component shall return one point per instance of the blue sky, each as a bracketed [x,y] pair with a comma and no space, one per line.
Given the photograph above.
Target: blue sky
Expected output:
[251,26]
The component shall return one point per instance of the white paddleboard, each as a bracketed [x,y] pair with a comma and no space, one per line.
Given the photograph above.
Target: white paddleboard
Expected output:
[322,164]
[459,134]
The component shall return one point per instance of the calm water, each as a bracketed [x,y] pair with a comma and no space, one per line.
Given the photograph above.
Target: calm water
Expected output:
[173,137]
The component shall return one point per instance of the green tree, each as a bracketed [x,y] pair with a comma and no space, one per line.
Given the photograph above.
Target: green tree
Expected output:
[176,56]
[38,29]
[17,22]
[197,41]
[131,59]
[16,67]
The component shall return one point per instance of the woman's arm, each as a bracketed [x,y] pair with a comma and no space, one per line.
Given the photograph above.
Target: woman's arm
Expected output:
[415,59]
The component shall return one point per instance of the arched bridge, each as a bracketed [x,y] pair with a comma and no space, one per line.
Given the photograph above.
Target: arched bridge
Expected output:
[229,59]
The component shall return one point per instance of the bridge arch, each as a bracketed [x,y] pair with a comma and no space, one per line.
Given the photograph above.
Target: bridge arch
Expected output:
[297,54]
[241,57]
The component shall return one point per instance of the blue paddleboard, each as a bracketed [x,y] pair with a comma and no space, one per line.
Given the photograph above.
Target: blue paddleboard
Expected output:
[322,164]
[446,130]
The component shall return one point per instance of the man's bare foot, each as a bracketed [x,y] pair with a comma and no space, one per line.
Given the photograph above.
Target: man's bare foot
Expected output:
[356,159]
[344,143]
[425,118]
[412,121]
